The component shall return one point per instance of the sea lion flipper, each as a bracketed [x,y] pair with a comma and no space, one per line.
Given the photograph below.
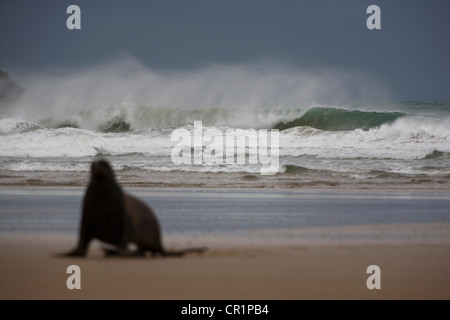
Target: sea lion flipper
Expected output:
[82,247]
[182,252]
[118,253]
[77,252]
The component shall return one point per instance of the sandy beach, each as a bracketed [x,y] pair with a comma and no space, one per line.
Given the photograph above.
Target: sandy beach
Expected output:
[318,245]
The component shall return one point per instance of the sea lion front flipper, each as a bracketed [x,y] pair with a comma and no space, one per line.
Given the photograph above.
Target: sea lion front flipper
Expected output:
[81,249]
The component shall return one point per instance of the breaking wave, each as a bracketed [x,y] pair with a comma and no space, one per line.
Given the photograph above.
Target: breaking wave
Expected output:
[333,119]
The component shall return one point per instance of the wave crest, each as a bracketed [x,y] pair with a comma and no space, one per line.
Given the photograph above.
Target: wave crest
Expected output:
[332,119]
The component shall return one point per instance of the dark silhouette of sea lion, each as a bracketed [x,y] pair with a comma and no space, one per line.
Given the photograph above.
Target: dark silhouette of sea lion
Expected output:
[117,218]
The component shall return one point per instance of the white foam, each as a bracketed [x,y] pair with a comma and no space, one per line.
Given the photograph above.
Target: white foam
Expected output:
[10,125]
[43,166]
[72,142]
[406,138]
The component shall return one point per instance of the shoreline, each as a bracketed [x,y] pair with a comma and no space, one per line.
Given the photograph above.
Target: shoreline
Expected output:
[224,181]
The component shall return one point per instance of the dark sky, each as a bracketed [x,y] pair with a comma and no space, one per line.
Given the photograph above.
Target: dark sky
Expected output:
[410,54]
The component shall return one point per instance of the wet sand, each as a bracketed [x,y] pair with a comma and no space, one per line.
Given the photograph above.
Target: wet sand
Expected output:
[261,245]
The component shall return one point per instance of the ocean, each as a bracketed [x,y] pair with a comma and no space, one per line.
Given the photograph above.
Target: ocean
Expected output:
[292,128]
[400,142]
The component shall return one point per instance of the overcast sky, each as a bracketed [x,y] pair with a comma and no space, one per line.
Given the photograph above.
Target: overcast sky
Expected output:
[410,54]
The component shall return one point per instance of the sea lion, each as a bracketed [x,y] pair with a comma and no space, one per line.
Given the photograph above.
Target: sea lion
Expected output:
[117,218]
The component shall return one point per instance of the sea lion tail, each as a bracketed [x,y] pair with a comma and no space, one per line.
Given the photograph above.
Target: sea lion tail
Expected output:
[112,252]
[182,252]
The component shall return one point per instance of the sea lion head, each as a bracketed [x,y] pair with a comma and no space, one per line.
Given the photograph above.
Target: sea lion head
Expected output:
[101,170]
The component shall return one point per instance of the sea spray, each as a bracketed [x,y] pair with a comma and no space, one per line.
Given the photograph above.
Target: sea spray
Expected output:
[125,90]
